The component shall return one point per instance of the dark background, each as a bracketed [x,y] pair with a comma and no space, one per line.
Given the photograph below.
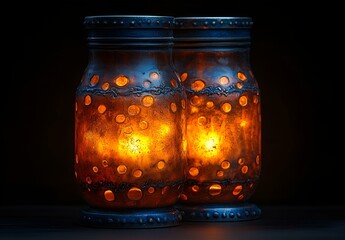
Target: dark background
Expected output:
[294,56]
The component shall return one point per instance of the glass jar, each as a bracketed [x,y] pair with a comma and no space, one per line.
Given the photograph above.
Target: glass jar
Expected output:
[129,113]
[212,56]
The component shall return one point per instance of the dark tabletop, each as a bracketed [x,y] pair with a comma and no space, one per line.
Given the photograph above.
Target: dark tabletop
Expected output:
[276,222]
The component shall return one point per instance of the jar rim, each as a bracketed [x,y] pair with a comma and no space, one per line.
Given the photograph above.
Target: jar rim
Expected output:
[209,22]
[128,21]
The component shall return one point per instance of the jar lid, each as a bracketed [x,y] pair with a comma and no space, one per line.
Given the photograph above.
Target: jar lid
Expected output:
[128,21]
[212,22]
[117,31]
[212,32]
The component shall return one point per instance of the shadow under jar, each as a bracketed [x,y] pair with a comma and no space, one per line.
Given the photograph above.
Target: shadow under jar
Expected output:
[129,124]
[223,118]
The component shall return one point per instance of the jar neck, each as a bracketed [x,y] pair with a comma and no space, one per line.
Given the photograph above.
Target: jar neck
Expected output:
[220,55]
[130,57]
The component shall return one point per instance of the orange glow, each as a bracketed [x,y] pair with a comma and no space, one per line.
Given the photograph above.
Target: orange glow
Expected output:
[134,145]
[130,147]
[223,124]
[164,129]
[243,123]
[208,144]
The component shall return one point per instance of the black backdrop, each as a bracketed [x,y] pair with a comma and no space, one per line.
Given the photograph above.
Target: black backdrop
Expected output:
[293,58]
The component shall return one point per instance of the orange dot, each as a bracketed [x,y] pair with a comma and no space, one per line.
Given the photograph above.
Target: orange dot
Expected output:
[193,171]
[224,80]
[244,169]
[243,101]
[121,169]
[239,85]
[196,100]
[173,107]
[147,84]
[165,190]
[220,173]
[240,161]
[198,85]
[76,159]
[143,124]
[134,193]
[183,103]
[240,197]
[173,83]
[121,81]
[95,169]
[255,99]
[257,160]
[195,188]
[225,164]
[88,180]
[202,120]
[154,75]
[101,108]
[109,195]
[128,130]
[215,189]
[94,80]
[226,107]
[160,164]
[137,173]
[87,100]
[184,77]
[148,101]
[76,106]
[105,86]
[183,197]
[105,163]
[151,190]
[210,104]
[241,76]
[120,118]
[133,110]
[237,190]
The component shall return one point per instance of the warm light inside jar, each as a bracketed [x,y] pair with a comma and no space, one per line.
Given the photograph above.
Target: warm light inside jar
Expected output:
[129,149]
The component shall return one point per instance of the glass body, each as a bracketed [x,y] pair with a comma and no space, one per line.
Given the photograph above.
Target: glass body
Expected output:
[223,109]
[129,115]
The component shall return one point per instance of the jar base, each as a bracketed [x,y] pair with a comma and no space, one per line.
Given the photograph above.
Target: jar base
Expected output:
[133,218]
[220,212]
